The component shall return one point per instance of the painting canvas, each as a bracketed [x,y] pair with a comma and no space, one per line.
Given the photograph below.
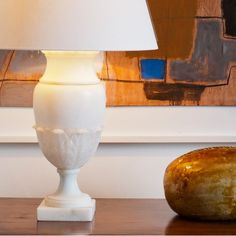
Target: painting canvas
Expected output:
[194,66]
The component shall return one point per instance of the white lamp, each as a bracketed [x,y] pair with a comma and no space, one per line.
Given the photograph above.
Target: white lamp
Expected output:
[69,100]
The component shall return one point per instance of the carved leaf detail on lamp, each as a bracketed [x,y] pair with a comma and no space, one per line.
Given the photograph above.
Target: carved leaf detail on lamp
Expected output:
[66,149]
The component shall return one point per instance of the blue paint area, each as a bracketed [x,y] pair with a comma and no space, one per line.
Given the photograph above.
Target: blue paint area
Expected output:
[153,69]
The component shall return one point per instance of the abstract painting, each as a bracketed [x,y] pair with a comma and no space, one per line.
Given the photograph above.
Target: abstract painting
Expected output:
[194,66]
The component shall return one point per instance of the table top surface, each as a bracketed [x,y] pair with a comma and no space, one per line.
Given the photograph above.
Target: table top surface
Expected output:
[113,217]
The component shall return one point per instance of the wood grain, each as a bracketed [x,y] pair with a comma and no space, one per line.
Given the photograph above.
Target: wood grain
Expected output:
[121,67]
[113,217]
[209,8]
[221,95]
[17,93]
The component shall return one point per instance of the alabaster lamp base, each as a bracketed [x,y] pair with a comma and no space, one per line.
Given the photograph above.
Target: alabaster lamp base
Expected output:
[45,213]
[68,203]
[69,107]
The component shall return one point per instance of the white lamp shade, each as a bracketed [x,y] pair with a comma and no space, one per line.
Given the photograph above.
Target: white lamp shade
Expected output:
[105,25]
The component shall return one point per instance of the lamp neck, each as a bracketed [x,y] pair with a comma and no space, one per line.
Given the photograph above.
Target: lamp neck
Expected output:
[70,68]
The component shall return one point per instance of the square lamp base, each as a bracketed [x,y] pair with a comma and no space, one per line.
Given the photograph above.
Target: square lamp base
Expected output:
[45,213]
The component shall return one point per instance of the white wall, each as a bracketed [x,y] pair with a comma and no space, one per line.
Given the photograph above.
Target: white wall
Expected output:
[117,170]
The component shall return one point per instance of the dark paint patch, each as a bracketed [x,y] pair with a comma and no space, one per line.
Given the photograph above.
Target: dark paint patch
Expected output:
[229,13]
[28,62]
[153,69]
[212,55]
[3,55]
[175,93]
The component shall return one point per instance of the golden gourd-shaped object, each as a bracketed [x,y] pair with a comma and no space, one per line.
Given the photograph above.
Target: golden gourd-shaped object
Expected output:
[202,184]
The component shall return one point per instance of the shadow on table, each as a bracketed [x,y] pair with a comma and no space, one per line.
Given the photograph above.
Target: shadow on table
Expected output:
[183,226]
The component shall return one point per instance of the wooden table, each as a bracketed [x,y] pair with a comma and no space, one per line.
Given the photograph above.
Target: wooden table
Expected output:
[113,216]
